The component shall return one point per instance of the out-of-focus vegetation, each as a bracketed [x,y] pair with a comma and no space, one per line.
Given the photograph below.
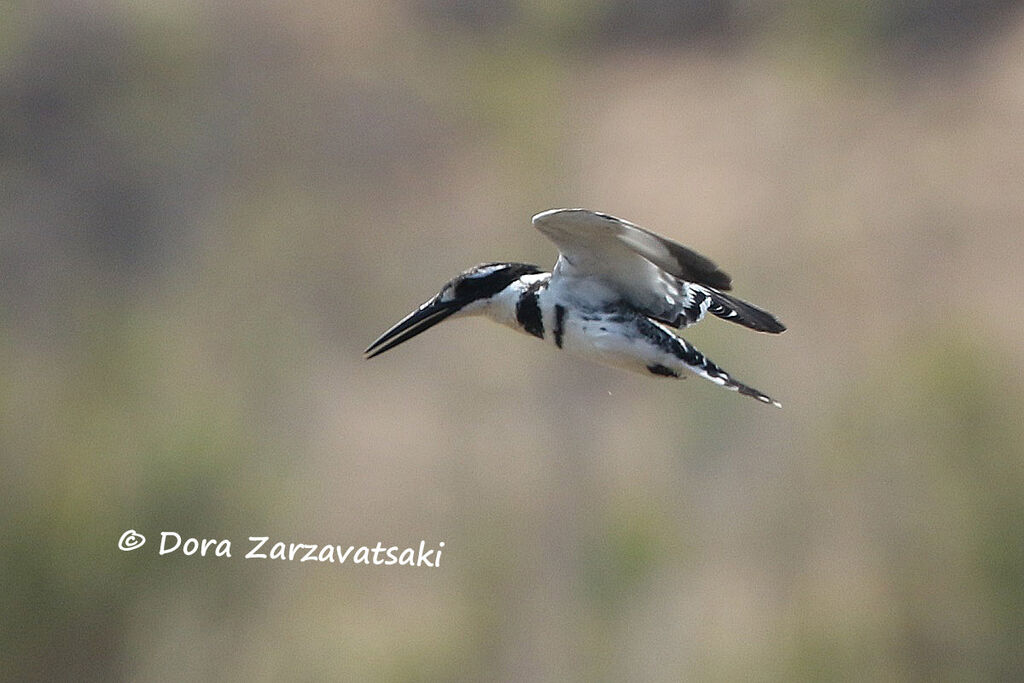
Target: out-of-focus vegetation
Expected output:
[209,209]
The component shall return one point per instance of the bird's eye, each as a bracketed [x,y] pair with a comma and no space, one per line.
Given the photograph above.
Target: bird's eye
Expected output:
[471,287]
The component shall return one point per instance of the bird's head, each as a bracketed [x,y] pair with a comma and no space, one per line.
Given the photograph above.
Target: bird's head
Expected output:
[466,294]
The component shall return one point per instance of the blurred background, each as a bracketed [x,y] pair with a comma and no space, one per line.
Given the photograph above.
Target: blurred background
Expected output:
[209,209]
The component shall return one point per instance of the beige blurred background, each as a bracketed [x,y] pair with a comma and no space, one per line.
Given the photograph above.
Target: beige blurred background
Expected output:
[209,209]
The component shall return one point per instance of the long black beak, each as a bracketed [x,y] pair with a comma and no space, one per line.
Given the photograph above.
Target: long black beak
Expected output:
[420,320]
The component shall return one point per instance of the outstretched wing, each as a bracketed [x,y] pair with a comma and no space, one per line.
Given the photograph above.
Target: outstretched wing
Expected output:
[649,272]
[589,239]
[660,277]
[742,312]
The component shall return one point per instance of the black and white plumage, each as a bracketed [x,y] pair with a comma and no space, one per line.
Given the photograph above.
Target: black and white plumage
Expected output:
[614,295]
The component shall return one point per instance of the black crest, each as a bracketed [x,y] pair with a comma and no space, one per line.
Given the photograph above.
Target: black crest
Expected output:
[487,279]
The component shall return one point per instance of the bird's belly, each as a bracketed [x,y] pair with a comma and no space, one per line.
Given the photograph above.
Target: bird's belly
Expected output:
[622,344]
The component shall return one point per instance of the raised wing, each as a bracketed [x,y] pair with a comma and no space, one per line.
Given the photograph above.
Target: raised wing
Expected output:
[649,271]
[579,231]
[602,254]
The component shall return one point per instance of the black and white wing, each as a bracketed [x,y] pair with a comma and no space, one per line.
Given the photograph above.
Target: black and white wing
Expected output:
[656,275]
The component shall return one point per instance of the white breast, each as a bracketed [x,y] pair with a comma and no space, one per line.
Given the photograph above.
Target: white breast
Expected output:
[610,338]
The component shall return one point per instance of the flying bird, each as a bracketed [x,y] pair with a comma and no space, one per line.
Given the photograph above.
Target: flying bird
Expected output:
[615,294]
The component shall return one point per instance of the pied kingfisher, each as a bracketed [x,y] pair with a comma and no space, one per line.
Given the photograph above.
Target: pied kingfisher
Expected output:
[613,295]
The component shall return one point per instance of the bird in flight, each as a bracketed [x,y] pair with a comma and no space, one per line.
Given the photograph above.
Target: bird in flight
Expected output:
[614,295]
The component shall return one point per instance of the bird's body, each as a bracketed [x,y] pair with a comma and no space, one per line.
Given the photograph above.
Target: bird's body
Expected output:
[613,296]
